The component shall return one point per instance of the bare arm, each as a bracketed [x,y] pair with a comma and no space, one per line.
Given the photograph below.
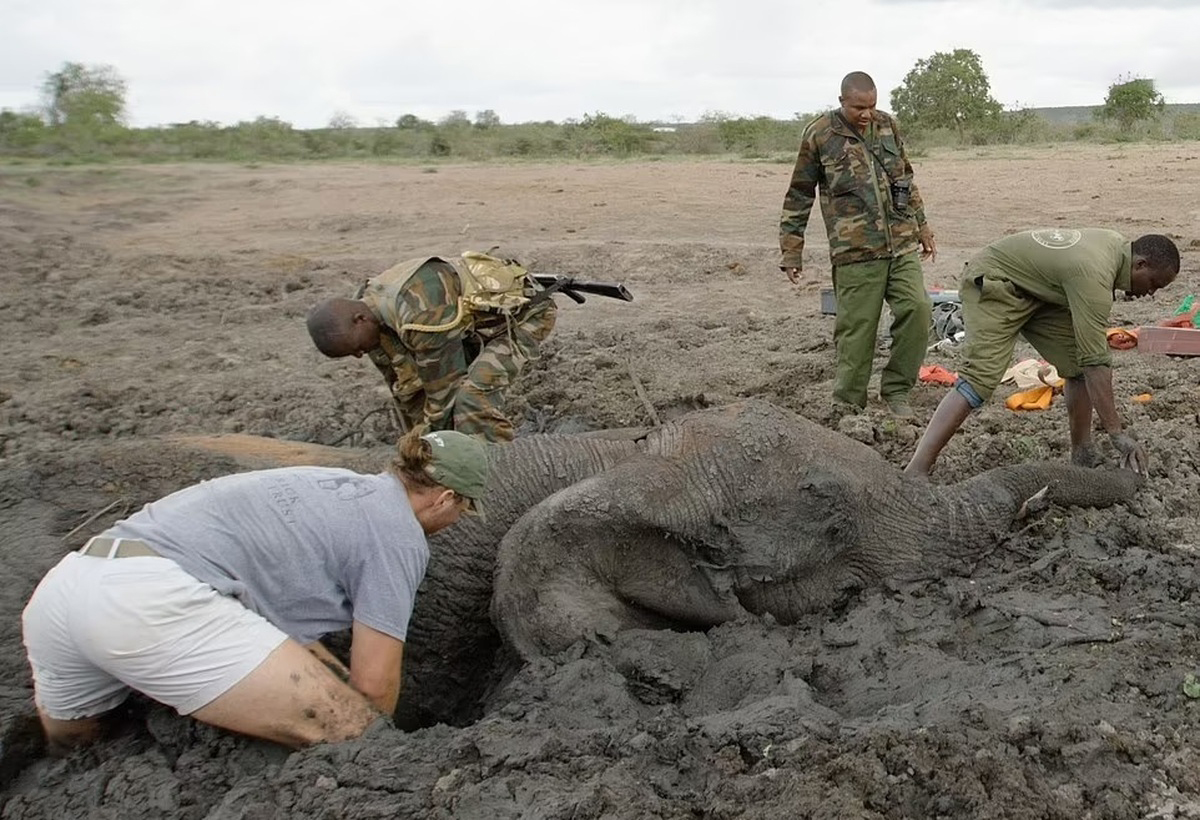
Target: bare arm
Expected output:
[1100,390]
[375,664]
[329,659]
[1090,303]
[1098,379]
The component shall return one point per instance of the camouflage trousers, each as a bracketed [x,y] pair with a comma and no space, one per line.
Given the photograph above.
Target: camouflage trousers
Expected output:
[479,397]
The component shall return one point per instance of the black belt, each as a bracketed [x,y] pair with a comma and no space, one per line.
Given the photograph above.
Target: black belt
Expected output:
[102,547]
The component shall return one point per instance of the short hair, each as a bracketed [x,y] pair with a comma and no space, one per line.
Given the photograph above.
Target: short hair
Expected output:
[857,81]
[328,323]
[1159,252]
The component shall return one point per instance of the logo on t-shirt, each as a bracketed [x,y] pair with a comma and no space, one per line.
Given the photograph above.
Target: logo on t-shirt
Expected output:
[1056,238]
[347,489]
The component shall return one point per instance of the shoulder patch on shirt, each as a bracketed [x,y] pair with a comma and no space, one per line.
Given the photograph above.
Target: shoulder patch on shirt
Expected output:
[1056,238]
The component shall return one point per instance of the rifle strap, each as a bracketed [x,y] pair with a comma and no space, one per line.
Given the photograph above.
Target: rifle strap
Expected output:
[442,328]
[559,286]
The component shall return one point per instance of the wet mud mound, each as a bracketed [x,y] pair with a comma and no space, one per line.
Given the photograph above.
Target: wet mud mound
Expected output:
[1052,681]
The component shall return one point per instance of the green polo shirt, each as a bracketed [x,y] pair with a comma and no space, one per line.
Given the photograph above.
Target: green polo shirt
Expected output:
[1077,269]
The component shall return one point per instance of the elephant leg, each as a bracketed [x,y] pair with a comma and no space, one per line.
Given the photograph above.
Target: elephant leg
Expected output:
[603,555]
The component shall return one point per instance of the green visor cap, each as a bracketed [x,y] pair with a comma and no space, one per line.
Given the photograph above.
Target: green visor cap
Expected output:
[459,463]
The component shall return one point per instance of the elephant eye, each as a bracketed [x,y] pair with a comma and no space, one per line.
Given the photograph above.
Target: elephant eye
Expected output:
[708,554]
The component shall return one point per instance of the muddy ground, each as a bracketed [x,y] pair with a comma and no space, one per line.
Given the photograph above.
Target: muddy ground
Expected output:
[141,302]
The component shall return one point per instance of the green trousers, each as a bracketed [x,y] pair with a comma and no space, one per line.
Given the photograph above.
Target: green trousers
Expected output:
[860,290]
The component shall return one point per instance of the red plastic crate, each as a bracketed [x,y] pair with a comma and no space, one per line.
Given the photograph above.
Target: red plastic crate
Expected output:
[1175,341]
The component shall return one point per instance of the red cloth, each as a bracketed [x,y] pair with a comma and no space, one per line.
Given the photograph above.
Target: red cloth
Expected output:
[1182,320]
[936,374]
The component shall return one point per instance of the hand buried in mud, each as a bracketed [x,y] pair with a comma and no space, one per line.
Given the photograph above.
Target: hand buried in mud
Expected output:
[1086,456]
[1133,455]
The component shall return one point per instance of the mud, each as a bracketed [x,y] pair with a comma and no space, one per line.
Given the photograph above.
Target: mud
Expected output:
[139,304]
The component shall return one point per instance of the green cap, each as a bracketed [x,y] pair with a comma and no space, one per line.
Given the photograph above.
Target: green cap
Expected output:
[459,463]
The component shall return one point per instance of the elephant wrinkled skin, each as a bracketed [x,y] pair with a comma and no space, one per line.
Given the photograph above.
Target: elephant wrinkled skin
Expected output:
[748,509]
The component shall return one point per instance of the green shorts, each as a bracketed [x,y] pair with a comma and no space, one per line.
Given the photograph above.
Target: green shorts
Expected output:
[995,312]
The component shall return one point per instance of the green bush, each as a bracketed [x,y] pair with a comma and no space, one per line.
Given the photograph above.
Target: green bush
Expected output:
[20,132]
[604,135]
[439,146]
[1009,127]
[1185,126]
[596,135]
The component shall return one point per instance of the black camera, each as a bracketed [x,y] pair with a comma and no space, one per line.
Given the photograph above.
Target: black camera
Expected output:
[900,193]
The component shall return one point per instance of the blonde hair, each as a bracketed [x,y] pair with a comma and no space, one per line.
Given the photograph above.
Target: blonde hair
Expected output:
[413,456]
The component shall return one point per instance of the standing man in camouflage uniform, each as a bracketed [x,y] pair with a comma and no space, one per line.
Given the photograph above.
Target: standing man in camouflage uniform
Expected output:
[447,357]
[875,220]
[1054,287]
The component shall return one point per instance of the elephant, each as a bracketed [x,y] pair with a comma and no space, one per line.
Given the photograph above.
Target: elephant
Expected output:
[750,510]
[746,509]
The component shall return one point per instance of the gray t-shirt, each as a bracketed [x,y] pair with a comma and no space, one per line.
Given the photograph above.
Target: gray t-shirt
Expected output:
[308,548]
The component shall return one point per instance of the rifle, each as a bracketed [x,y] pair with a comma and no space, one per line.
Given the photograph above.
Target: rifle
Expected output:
[573,288]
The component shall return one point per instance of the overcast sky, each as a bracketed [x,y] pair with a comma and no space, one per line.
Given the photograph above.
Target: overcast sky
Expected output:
[304,60]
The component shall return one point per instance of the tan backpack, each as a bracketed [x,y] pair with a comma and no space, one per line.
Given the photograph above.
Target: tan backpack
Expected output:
[489,285]
[492,285]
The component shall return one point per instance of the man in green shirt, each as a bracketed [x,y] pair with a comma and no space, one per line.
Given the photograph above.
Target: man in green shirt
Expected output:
[1055,287]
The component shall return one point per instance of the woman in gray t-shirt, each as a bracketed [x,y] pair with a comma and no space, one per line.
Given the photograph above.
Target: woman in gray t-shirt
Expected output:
[224,589]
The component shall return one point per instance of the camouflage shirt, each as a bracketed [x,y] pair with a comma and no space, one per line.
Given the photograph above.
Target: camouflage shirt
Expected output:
[430,361]
[854,173]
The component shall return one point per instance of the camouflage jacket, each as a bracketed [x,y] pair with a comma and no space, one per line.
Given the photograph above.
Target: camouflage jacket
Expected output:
[854,174]
[427,361]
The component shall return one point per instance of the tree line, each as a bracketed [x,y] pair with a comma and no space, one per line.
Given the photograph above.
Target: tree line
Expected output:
[945,99]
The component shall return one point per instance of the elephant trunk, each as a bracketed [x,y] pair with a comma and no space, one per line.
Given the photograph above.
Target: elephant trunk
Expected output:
[959,522]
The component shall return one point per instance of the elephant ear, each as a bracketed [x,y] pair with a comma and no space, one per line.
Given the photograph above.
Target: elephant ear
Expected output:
[797,542]
[611,552]
[795,525]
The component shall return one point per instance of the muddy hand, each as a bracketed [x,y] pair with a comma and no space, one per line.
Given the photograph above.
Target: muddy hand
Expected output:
[793,275]
[1133,455]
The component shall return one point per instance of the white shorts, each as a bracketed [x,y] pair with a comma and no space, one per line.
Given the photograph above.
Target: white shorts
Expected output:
[97,627]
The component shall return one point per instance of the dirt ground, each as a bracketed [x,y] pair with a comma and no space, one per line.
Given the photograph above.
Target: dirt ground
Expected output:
[143,302]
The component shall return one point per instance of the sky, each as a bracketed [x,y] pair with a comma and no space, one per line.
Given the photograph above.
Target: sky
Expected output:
[530,60]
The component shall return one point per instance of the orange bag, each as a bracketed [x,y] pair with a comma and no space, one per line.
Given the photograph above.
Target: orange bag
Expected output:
[1122,338]
[1038,398]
